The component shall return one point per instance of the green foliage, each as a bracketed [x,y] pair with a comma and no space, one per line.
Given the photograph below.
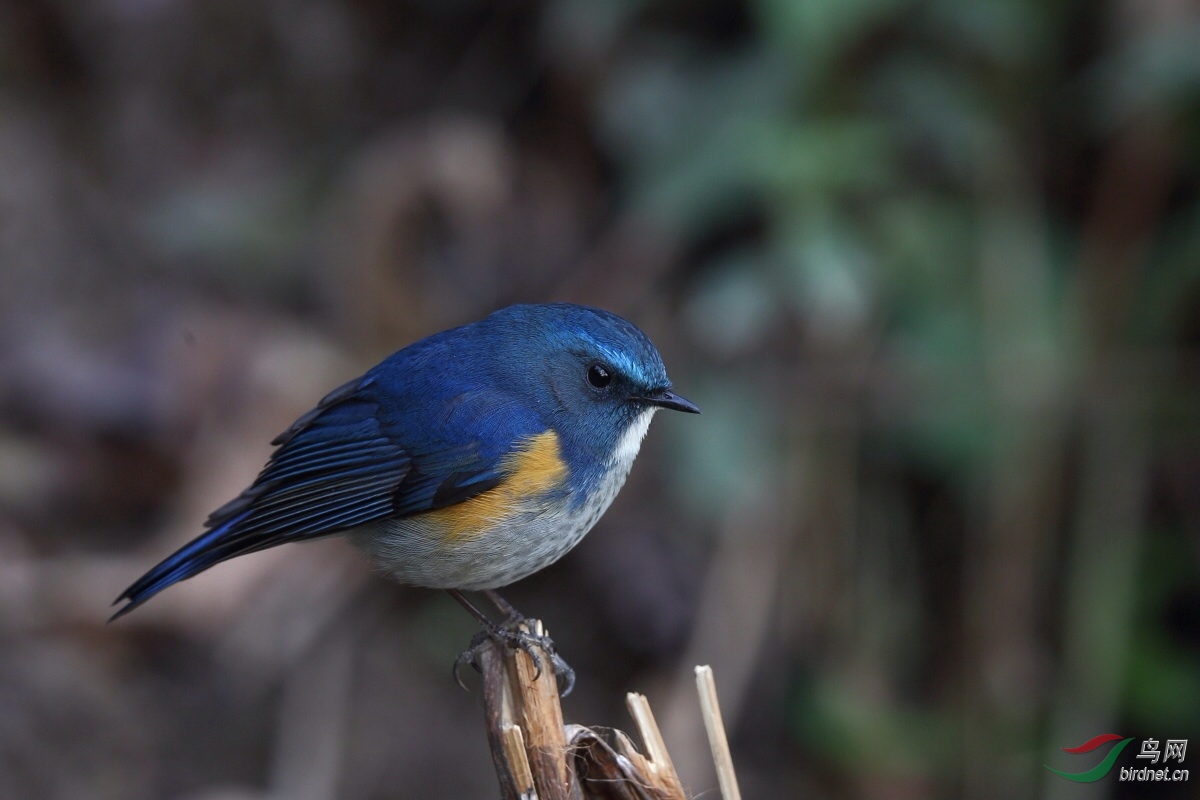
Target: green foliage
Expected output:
[947,202]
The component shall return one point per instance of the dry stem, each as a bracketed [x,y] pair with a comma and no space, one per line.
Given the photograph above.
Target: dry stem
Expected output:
[538,757]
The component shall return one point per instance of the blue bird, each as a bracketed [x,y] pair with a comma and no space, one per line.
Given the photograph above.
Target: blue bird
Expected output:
[466,461]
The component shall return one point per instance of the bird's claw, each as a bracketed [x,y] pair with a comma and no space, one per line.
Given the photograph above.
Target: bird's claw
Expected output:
[470,656]
[562,672]
[515,638]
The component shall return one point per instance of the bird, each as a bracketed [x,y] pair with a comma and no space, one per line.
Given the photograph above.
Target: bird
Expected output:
[465,461]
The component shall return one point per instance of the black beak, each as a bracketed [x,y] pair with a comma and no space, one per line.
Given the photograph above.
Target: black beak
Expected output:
[668,399]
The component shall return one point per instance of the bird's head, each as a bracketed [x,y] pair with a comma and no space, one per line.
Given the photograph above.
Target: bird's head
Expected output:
[593,372]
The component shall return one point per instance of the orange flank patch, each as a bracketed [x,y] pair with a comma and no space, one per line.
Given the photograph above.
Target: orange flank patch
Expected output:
[534,468]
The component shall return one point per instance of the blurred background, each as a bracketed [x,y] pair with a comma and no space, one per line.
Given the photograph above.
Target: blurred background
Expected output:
[931,269]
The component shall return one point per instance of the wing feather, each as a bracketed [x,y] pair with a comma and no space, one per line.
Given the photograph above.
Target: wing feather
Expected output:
[337,467]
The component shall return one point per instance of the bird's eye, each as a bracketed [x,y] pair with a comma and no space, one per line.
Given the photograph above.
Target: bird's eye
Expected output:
[598,376]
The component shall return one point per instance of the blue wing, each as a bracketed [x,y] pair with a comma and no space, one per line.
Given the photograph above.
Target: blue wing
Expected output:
[359,456]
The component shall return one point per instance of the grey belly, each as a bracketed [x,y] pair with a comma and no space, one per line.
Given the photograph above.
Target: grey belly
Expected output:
[416,552]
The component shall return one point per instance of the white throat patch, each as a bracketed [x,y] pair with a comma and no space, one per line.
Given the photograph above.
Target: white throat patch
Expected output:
[631,441]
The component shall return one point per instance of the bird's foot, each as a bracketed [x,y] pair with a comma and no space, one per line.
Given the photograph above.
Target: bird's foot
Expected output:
[513,636]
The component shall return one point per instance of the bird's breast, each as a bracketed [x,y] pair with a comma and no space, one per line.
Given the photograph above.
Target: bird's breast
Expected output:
[533,471]
[530,520]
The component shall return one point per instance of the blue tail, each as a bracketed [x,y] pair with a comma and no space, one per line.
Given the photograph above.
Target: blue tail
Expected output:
[191,559]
